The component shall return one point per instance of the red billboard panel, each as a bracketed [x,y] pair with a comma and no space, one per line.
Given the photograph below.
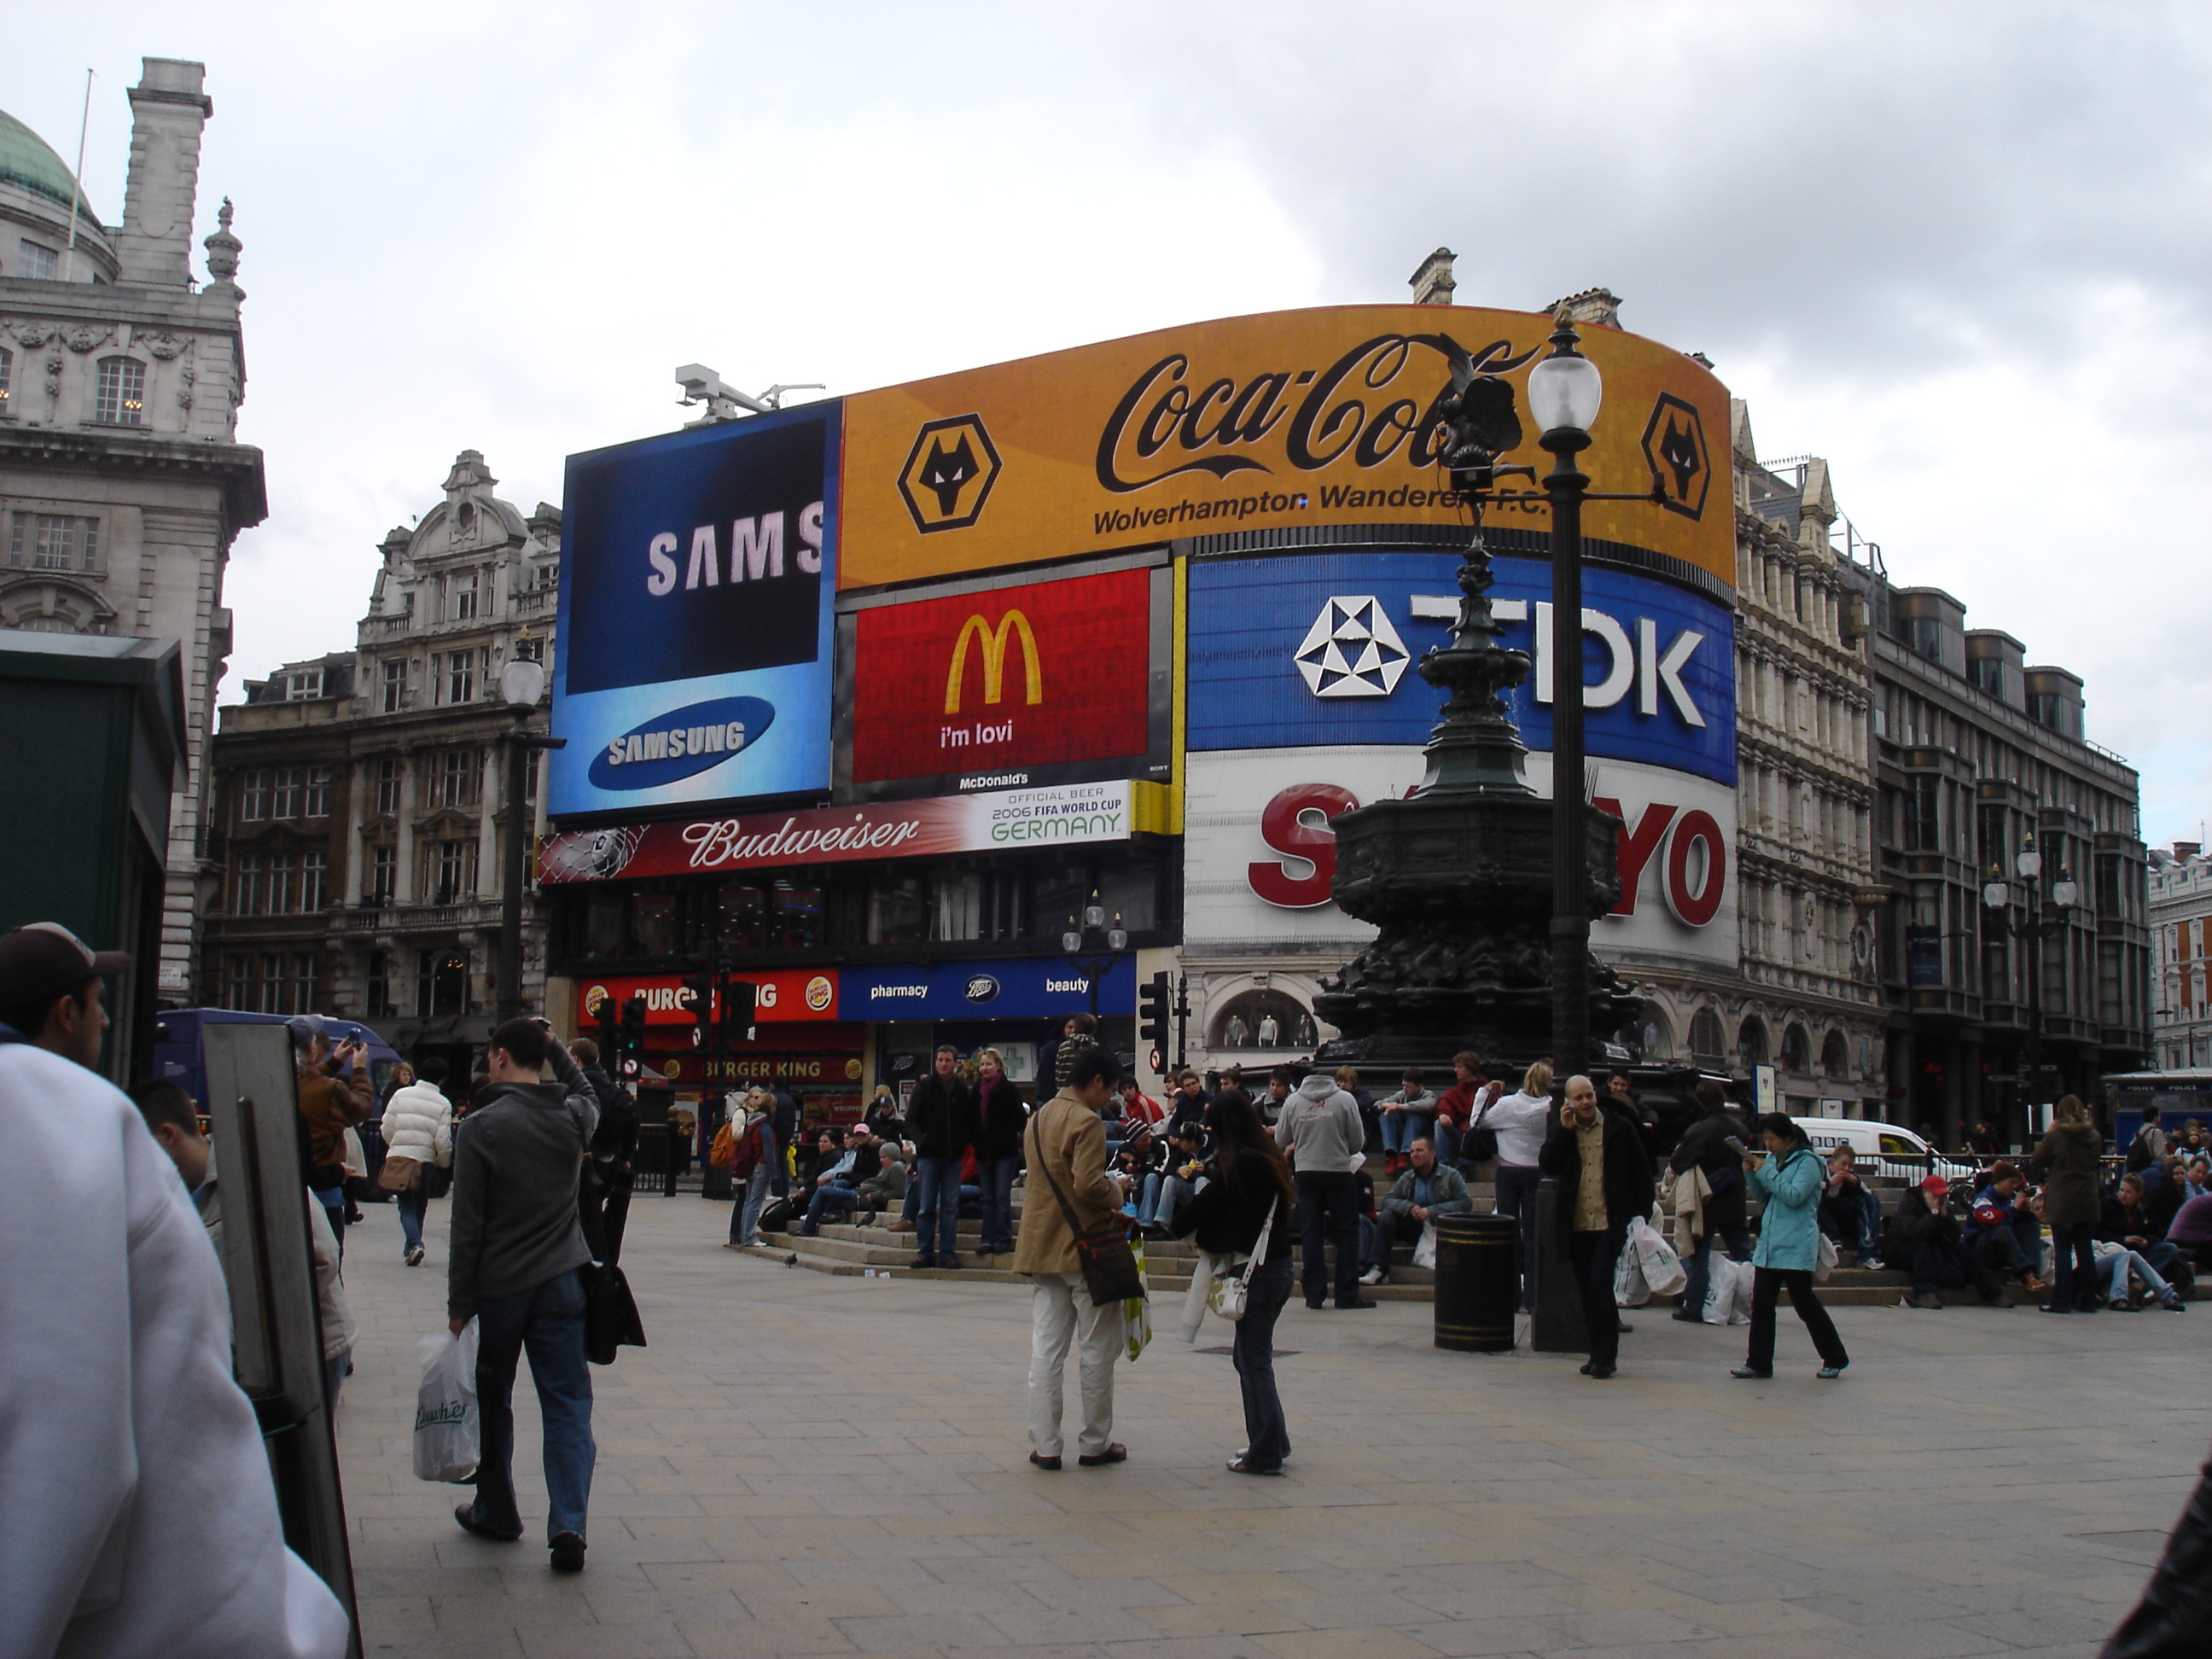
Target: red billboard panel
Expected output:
[782,994]
[1004,688]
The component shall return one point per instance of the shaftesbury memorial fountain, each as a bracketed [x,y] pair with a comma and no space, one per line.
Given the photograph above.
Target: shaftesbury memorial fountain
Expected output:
[1459,875]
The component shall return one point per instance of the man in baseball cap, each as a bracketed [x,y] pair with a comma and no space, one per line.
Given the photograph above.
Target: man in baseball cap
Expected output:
[49,989]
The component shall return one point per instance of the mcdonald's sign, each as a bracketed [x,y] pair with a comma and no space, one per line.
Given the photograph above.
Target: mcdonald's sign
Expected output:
[1010,688]
[994,642]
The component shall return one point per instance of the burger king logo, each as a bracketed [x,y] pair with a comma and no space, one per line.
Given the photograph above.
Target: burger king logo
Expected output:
[819,992]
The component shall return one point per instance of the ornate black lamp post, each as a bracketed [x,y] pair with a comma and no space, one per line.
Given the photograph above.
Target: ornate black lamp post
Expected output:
[521,684]
[1091,946]
[2040,916]
[1564,392]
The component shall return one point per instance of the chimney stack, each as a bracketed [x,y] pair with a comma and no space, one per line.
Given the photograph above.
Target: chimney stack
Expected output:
[168,111]
[1432,283]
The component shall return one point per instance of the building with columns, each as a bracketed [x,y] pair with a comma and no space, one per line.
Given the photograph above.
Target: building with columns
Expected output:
[358,799]
[122,482]
[2181,930]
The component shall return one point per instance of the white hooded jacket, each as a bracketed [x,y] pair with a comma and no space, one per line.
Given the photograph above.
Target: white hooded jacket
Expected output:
[137,1515]
[418,1123]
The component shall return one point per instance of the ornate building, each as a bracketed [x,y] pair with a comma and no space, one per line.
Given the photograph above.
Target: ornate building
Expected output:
[122,482]
[360,798]
[2181,924]
[1807,1002]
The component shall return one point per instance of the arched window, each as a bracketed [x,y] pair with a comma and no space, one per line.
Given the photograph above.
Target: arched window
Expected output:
[1835,1056]
[1797,1049]
[1653,1033]
[1751,1042]
[445,983]
[120,398]
[1263,1019]
[1708,1043]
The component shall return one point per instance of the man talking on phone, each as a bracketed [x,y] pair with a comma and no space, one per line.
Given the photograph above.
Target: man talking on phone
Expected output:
[1596,1155]
[518,1252]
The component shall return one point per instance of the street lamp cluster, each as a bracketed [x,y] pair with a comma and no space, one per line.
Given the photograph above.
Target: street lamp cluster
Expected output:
[2040,916]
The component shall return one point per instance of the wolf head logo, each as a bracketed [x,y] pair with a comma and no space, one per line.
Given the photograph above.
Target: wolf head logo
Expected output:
[948,471]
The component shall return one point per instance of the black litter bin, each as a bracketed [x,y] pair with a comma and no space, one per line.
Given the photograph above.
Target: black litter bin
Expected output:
[1477,1288]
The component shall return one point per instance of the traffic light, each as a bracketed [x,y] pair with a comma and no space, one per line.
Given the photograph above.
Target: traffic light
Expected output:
[633,1028]
[604,1014]
[702,989]
[740,997]
[1152,1016]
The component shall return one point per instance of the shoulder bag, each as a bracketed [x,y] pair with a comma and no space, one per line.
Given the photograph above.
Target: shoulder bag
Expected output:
[1480,1145]
[611,1319]
[1109,1266]
[1229,1297]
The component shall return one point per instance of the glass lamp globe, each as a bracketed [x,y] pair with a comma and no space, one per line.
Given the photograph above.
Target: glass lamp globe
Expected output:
[1996,895]
[2064,891]
[2029,863]
[521,682]
[1564,394]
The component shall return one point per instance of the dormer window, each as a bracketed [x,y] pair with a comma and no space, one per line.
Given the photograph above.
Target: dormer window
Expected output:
[120,399]
[303,684]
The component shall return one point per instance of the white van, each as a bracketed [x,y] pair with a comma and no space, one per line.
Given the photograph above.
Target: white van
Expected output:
[1883,1148]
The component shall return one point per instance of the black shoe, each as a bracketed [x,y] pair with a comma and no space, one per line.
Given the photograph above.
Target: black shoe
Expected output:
[477,1529]
[1689,1318]
[568,1552]
[950,1262]
[1315,1303]
[924,1262]
[1357,1301]
[1584,1368]
[2052,1308]
[1599,1373]
[1622,1325]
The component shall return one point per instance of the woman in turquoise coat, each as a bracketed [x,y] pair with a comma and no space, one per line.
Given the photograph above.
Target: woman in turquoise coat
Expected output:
[1789,1176]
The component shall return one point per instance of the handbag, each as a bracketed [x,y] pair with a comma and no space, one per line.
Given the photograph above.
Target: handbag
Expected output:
[1229,1297]
[611,1319]
[1824,1258]
[1480,1145]
[1109,1265]
[400,1173]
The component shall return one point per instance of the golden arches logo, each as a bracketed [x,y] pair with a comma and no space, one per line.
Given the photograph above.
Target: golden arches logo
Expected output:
[993,642]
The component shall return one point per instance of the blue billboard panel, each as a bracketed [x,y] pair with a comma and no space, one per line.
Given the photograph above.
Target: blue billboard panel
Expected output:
[698,575]
[1308,649]
[1011,987]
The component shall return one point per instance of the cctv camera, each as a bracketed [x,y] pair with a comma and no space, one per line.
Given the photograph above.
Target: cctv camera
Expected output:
[699,383]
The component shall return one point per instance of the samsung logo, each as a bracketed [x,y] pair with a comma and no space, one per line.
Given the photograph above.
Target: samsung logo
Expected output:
[681,742]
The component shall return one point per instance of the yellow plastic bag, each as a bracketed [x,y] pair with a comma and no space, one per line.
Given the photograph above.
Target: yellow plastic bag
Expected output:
[1137,1312]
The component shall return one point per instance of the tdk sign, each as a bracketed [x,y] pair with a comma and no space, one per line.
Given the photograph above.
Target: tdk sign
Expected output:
[679,744]
[1313,650]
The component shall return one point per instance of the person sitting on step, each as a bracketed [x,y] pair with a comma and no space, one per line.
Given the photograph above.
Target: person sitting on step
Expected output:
[1426,1190]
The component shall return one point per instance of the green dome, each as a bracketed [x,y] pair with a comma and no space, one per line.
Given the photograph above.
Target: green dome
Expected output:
[28,163]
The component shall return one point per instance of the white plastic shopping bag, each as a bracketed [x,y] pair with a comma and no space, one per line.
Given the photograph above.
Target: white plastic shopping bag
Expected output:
[446,1428]
[1662,1269]
[1629,1290]
[1728,1291]
[1425,1248]
[1824,1263]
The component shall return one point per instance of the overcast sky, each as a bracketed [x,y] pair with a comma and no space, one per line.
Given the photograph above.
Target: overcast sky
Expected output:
[1960,250]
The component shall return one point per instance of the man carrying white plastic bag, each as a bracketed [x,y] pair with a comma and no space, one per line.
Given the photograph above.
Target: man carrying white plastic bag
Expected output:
[447,1429]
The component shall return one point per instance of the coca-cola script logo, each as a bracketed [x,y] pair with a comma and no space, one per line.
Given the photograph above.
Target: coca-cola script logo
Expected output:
[1169,423]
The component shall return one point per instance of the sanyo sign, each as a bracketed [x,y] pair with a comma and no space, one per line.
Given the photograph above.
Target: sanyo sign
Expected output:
[1264,869]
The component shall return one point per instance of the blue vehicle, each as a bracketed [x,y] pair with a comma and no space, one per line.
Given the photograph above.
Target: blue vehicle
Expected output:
[177,1052]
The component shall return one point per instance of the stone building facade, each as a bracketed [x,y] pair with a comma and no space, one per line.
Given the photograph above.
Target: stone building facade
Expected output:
[2181,931]
[359,799]
[122,482]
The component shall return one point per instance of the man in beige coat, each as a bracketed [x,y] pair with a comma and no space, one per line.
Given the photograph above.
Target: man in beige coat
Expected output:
[1067,1149]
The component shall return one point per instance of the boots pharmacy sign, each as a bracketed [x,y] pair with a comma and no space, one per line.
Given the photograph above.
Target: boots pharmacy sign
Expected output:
[1289,419]
[696,621]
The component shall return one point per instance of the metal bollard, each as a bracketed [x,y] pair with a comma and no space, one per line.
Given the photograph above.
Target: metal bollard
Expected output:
[1477,1287]
[1559,1326]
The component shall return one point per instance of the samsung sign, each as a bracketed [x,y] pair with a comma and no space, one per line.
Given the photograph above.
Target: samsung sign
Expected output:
[1318,650]
[697,572]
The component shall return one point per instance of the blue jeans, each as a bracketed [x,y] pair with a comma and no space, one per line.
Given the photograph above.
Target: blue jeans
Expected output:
[1447,1144]
[547,1321]
[997,1176]
[1401,1129]
[1267,1437]
[1517,1197]
[1856,1225]
[744,1216]
[834,1196]
[1374,1243]
[410,1206]
[937,1210]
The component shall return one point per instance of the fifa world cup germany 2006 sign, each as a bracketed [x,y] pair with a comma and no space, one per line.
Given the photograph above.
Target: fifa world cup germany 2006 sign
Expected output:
[1282,419]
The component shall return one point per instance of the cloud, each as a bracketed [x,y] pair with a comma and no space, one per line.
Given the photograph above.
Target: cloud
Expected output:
[1958,250]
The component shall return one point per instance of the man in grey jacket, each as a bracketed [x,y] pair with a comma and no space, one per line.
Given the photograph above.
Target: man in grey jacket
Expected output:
[518,1262]
[1320,1134]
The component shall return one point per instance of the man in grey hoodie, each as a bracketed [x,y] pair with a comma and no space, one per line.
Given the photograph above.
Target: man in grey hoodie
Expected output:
[1320,1134]
[518,1262]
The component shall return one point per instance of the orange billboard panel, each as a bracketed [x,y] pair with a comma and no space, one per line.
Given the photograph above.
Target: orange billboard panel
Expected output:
[1287,419]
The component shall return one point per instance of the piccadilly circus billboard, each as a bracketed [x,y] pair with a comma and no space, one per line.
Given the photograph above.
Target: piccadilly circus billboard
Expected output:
[698,572]
[1010,685]
[1287,421]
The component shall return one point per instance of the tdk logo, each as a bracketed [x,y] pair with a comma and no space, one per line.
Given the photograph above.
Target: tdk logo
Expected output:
[681,742]
[1640,665]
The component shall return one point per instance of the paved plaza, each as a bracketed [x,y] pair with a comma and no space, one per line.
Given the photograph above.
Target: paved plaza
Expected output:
[806,1464]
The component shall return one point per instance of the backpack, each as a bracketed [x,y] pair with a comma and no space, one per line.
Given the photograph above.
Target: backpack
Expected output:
[724,1152]
[2140,1155]
[746,1156]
